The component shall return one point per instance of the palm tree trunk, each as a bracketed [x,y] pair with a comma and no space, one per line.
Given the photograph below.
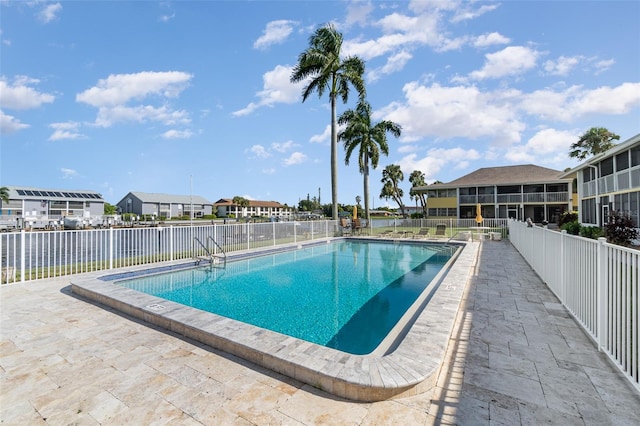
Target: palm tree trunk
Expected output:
[334,159]
[365,173]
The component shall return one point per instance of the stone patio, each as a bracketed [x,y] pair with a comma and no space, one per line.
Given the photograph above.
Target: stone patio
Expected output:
[515,357]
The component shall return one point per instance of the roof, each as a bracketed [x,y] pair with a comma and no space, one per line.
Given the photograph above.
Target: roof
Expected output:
[168,198]
[504,175]
[252,203]
[31,193]
[634,140]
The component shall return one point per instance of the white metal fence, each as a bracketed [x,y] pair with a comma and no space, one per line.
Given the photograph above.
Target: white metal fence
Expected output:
[30,255]
[27,256]
[596,281]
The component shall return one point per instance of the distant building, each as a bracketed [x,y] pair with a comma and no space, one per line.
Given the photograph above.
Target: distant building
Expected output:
[164,206]
[610,181]
[519,192]
[225,207]
[50,204]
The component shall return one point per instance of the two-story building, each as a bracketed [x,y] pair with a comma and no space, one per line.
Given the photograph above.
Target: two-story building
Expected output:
[225,207]
[30,203]
[609,181]
[164,206]
[519,192]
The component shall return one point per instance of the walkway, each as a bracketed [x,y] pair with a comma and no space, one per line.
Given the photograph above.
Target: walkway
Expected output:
[515,357]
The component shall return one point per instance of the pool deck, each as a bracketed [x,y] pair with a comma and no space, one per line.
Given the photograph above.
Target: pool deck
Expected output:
[515,357]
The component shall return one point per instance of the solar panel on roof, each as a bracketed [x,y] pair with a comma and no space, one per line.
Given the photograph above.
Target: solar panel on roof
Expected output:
[21,192]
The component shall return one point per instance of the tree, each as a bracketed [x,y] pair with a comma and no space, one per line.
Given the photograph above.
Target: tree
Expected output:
[368,138]
[594,141]
[241,202]
[4,194]
[110,209]
[322,65]
[417,179]
[391,178]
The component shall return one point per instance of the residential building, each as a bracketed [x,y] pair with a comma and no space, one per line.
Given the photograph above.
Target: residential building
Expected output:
[225,207]
[519,192]
[39,204]
[164,206]
[610,181]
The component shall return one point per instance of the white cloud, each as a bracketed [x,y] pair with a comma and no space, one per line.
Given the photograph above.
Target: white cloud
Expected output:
[295,158]
[68,130]
[20,96]
[437,159]
[49,12]
[358,13]
[269,171]
[604,65]
[543,147]
[490,39]
[259,151]
[177,134]
[282,147]
[395,62]
[118,89]
[458,111]
[575,102]
[108,116]
[562,66]
[511,60]
[466,11]
[276,32]
[277,88]
[68,173]
[167,18]
[9,124]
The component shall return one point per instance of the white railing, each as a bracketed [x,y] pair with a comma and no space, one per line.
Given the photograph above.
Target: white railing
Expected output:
[27,256]
[596,281]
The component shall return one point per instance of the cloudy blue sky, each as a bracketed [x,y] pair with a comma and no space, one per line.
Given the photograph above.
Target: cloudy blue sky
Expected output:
[194,97]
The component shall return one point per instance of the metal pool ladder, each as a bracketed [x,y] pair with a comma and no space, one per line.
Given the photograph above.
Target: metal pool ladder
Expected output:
[214,259]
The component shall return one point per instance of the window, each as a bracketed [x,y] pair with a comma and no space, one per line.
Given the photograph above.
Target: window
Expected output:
[512,189]
[606,167]
[635,156]
[622,161]
[21,192]
[468,191]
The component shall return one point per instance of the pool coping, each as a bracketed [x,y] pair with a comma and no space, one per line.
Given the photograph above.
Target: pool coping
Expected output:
[409,369]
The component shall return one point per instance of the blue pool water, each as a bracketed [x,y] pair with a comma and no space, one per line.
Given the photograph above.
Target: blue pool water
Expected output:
[345,295]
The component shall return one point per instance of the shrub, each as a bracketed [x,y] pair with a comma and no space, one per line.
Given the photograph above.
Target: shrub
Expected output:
[620,229]
[593,232]
[567,217]
[572,228]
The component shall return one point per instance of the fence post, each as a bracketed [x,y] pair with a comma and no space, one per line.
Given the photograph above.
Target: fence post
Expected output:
[171,228]
[273,233]
[601,291]
[23,237]
[563,273]
[111,248]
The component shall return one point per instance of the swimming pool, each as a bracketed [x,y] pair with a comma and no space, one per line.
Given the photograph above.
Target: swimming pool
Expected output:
[345,295]
[405,363]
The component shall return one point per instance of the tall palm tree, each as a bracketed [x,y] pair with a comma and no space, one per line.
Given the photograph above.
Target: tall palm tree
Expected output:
[369,138]
[4,194]
[326,71]
[391,177]
[417,180]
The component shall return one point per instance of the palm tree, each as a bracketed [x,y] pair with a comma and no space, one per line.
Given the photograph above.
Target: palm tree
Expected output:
[241,202]
[370,139]
[391,178]
[417,180]
[321,64]
[4,194]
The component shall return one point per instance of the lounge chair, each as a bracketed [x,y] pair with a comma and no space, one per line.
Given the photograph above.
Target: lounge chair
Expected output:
[441,230]
[356,226]
[422,233]
[345,226]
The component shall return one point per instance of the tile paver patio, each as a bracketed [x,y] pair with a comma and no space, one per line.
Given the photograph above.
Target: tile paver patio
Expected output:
[515,357]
